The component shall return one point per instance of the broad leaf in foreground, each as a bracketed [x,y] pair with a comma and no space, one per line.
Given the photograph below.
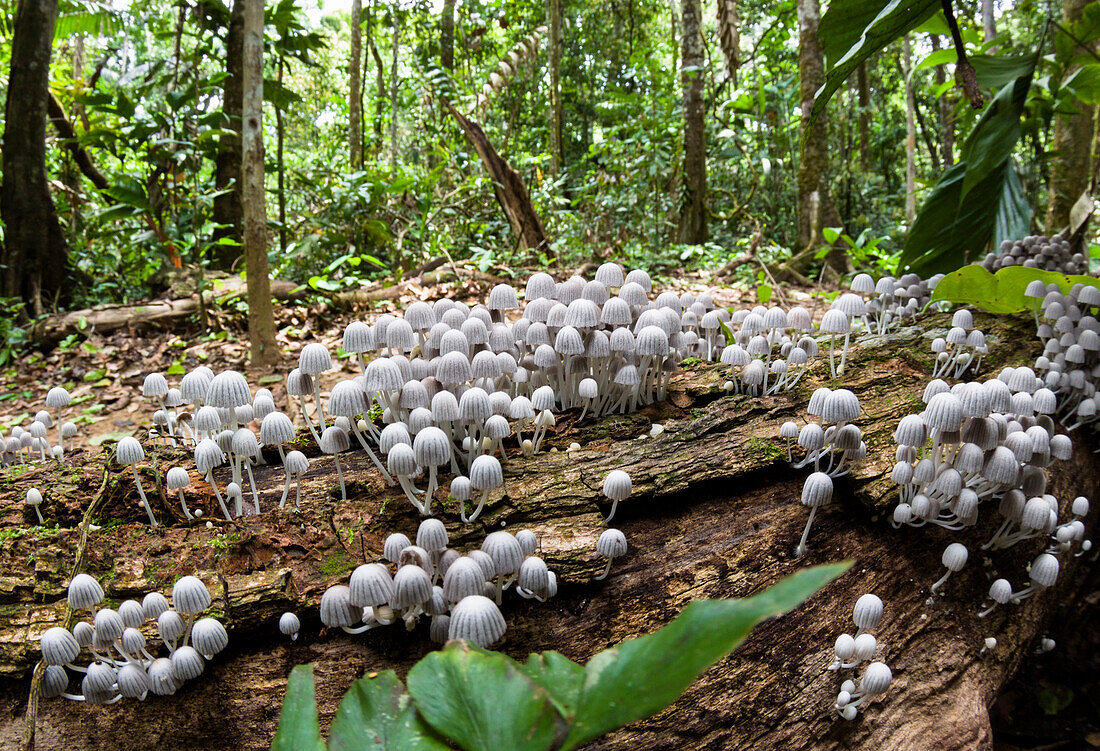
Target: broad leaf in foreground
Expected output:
[376,713]
[298,726]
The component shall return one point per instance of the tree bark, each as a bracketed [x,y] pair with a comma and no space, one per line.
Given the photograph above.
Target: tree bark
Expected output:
[814,200]
[508,186]
[34,261]
[1070,167]
[693,199]
[714,513]
[557,155]
[228,210]
[447,36]
[989,23]
[910,135]
[79,154]
[947,119]
[261,320]
[863,87]
[729,36]
[280,163]
[380,80]
[395,17]
[355,86]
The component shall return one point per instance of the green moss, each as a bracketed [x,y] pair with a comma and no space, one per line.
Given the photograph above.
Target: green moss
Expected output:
[336,564]
[766,449]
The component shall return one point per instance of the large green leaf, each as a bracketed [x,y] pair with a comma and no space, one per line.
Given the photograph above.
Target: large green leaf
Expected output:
[993,138]
[1002,292]
[1085,83]
[376,713]
[298,726]
[482,701]
[894,19]
[995,71]
[1013,217]
[561,677]
[642,676]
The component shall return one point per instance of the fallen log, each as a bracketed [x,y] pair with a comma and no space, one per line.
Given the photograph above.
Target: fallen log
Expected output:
[714,513]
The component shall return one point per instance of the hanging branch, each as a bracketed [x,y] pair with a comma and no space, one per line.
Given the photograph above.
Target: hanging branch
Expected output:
[964,71]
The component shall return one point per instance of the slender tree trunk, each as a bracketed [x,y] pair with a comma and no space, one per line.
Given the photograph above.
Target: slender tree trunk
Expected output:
[227,164]
[34,262]
[261,322]
[280,136]
[693,200]
[355,112]
[447,36]
[554,44]
[910,135]
[380,80]
[674,29]
[395,15]
[729,35]
[1070,167]
[947,120]
[989,25]
[815,205]
[864,88]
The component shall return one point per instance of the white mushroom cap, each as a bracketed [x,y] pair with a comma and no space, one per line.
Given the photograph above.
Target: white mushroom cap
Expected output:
[57,397]
[129,451]
[611,543]
[132,614]
[394,544]
[296,463]
[432,536]
[98,684]
[190,596]
[1044,570]
[867,613]
[528,541]
[55,682]
[34,497]
[876,679]
[276,429]
[334,440]
[464,577]
[412,586]
[505,551]
[478,620]
[289,625]
[209,637]
[154,385]
[170,625]
[58,646]
[228,390]
[84,592]
[486,473]
[817,490]
[865,645]
[336,610]
[617,485]
[187,663]
[955,556]
[178,478]
[162,680]
[371,585]
[133,681]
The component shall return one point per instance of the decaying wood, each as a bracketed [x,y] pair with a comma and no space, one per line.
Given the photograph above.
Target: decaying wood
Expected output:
[714,513]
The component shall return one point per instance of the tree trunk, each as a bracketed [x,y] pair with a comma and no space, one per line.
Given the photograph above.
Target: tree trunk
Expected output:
[729,36]
[714,513]
[814,201]
[693,199]
[261,320]
[557,156]
[228,211]
[355,85]
[508,186]
[34,262]
[1070,167]
[447,36]
[910,135]
[989,24]
[280,165]
[380,80]
[395,16]
[863,86]
[947,119]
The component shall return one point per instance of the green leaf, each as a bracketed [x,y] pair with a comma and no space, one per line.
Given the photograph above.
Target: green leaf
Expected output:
[175,368]
[642,676]
[1002,292]
[561,677]
[264,380]
[483,701]
[994,137]
[376,713]
[1085,83]
[889,21]
[995,71]
[298,726]
[764,293]
[1054,697]
[831,234]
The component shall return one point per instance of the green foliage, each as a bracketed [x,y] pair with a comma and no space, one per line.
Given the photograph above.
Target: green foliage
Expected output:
[865,251]
[485,701]
[1002,292]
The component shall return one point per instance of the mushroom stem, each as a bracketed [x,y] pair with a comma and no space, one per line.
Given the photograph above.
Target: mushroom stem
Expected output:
[410,493]
[144,500]
[40,519]
[370,452]
[801,549]
[218,495]
[433,483]
[340,474]
[309,420]
[320,407]
[988,610]
[286,491]
[606,571]
[614,505]
[939,582]
[60,438]
[480,505]
[252,482]
[183,504]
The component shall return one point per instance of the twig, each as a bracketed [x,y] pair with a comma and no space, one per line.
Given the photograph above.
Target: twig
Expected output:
[31,717]
[964,71]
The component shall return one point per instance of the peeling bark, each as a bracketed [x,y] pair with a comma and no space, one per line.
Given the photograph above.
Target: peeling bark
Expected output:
[714,513]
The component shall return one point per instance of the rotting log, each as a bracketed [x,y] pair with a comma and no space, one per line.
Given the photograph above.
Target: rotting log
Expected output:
[714,513]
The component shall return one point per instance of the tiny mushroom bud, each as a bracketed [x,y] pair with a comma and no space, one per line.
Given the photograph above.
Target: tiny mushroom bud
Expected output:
[867,613]
[954,558]
[34,500]
[289,625]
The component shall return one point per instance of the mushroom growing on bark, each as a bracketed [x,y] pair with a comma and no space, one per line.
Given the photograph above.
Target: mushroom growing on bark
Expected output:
[129,452]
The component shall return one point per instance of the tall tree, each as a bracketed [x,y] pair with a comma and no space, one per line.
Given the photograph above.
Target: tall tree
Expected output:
[227,164]
[1070,169]
[729,36]
[693,200]
[447,36]
[355,85]
[989,23]
[815,206]
[395,21]
[863,87]
[947,118]
[261,321]
[554,45]
[910,133]
[33,261]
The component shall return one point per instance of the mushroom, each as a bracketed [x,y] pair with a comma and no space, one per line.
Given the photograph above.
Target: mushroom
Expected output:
[296,465]
[816,492]
[313,360]
[478,620]
[333,441]
[84,593]
[875,681]
[616,487]
[189,597]
[432,449]
[34,500]
[612,544]
[177,480]
[954,558]
[207,456]
[507,557]
[129,452]
[289,625]
[485,475]
[867,613]
[209,637]
[58,398]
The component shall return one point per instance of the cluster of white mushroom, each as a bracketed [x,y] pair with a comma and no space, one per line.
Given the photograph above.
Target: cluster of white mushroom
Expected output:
[834,442]
[1068,328]
[460,593]
[1039,252]
[33,442]
[123,664]
[852,651]
[770,351]
[962,350]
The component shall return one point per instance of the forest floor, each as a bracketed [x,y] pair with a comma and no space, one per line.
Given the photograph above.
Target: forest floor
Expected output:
[1052,703]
